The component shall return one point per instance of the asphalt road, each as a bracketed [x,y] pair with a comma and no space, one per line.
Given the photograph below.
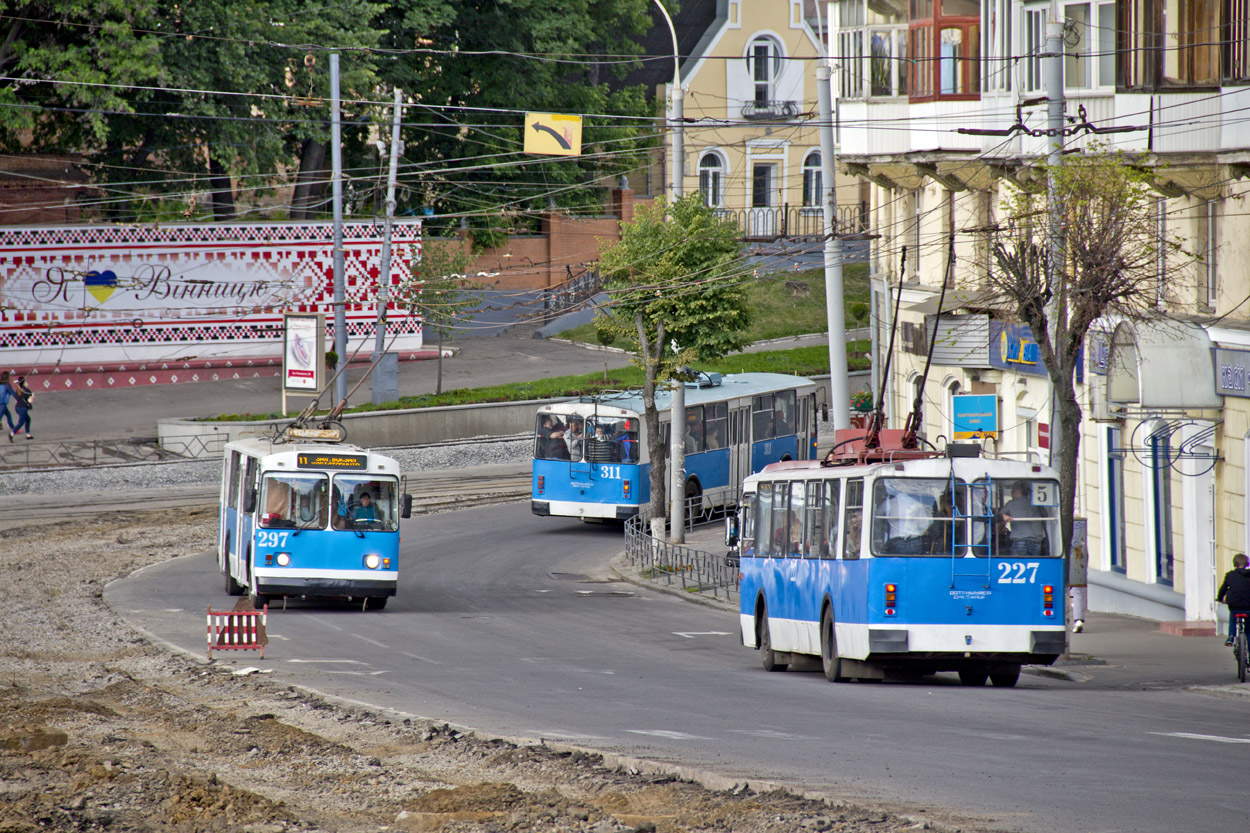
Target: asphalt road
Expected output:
[512,625]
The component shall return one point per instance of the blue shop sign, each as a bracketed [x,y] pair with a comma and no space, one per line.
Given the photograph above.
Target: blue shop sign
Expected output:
[975,416]
[1016,349]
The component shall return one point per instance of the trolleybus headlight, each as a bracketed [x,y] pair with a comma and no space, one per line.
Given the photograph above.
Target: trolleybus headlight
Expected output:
[373,560]
[284,559]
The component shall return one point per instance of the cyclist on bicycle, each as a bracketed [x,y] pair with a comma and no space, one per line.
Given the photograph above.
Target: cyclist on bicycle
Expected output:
[1235,592]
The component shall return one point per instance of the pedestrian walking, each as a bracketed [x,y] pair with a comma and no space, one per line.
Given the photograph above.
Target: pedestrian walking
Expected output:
[23,402]
[6,393]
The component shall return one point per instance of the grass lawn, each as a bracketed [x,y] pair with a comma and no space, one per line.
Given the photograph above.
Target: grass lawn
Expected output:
[802,361]
[784,304]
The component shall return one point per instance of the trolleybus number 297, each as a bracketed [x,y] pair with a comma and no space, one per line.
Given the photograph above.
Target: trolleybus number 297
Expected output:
[271,538]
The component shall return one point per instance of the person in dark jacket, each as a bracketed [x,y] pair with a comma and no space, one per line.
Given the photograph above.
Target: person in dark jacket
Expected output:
[1235,592]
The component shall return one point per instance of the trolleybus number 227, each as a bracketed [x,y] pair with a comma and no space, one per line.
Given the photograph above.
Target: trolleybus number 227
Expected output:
[1014,572]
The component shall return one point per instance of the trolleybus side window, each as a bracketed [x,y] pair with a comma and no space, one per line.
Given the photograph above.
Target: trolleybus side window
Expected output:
[232,491]
[747,538]
[853,519]
[903,514]
[762,418]
[817,544]
[783,420]
[295,501]
[829,523]
[798,507]
[694,429]
[365,503]
[764,520]
[715,425]
[250,483]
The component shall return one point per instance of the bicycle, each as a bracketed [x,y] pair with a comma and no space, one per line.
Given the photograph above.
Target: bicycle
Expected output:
[1241,645]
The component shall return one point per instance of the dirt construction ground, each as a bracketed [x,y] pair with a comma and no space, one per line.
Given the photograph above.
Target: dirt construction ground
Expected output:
[102,730]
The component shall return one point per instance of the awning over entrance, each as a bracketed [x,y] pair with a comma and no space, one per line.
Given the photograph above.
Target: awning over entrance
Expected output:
[1161,364]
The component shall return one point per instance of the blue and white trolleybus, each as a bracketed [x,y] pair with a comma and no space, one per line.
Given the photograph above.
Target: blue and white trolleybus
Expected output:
[310,520]
[903,562]
[591,459]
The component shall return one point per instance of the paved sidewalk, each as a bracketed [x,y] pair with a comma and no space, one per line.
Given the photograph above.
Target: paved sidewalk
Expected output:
[1113,653]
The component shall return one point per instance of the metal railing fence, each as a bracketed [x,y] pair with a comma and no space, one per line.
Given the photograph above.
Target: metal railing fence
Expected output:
[679,565]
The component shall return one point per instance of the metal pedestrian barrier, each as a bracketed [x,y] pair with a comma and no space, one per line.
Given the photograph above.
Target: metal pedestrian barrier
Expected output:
[241,629]
[694,570]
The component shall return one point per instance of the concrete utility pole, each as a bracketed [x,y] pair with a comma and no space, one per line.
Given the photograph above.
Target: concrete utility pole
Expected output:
[386,369]
[336,181]
[835,313]
[677,409]
[677,465]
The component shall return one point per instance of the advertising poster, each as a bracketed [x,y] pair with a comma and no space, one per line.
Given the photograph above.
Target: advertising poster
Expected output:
[302,362]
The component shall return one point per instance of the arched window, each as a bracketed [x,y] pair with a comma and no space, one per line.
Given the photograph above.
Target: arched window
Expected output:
[712,179]
[813,187]
[952,390]
[764,64]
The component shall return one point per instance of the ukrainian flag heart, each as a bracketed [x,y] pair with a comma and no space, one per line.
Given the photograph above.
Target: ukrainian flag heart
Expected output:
[101,285]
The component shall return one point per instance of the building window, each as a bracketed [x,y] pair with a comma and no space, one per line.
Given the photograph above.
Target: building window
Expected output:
[1034,45]
[1160,462]
[764,65]
[945,38]
[712,179]
[1116,544]
[813,174]
[851,32]
[1164,44]
[1235,40]
[762,185]
[999,61]
[1210,251]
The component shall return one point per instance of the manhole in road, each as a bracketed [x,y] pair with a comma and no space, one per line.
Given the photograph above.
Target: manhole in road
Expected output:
[605,594]
[569,576]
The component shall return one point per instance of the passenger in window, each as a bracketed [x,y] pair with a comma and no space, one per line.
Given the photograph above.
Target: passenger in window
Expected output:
[714,438]
[599,449]
[1018,515]
[938,537]
[574,439]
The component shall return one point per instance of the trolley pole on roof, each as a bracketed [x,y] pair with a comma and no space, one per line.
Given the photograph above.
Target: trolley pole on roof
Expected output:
[839,384]
[336,180]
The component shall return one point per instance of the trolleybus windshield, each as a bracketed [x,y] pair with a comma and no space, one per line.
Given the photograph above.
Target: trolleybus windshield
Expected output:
[369,503]
[295,501]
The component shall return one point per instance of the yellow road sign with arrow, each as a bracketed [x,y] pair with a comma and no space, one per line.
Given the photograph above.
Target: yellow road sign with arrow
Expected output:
[553,134]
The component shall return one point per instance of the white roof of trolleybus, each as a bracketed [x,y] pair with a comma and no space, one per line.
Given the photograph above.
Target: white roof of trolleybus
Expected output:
[283,454]
[965,468]
[732,386]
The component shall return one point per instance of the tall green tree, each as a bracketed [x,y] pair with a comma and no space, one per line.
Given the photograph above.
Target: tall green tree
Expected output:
[488,64]
[1110,267]
[75,62]
[672,280]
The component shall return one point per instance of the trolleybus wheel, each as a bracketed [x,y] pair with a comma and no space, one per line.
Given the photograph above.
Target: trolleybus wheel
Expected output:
[375,603]
[1006,678]
[694,501]
[973,676]
[768,657]
[830,661]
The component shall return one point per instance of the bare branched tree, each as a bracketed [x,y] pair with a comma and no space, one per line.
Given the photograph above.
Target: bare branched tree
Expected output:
[1109,267]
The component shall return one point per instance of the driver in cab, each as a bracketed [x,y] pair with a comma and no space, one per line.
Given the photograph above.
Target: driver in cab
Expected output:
[365,511]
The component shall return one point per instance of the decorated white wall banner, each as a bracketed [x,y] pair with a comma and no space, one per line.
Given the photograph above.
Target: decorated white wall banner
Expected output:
[109,297]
